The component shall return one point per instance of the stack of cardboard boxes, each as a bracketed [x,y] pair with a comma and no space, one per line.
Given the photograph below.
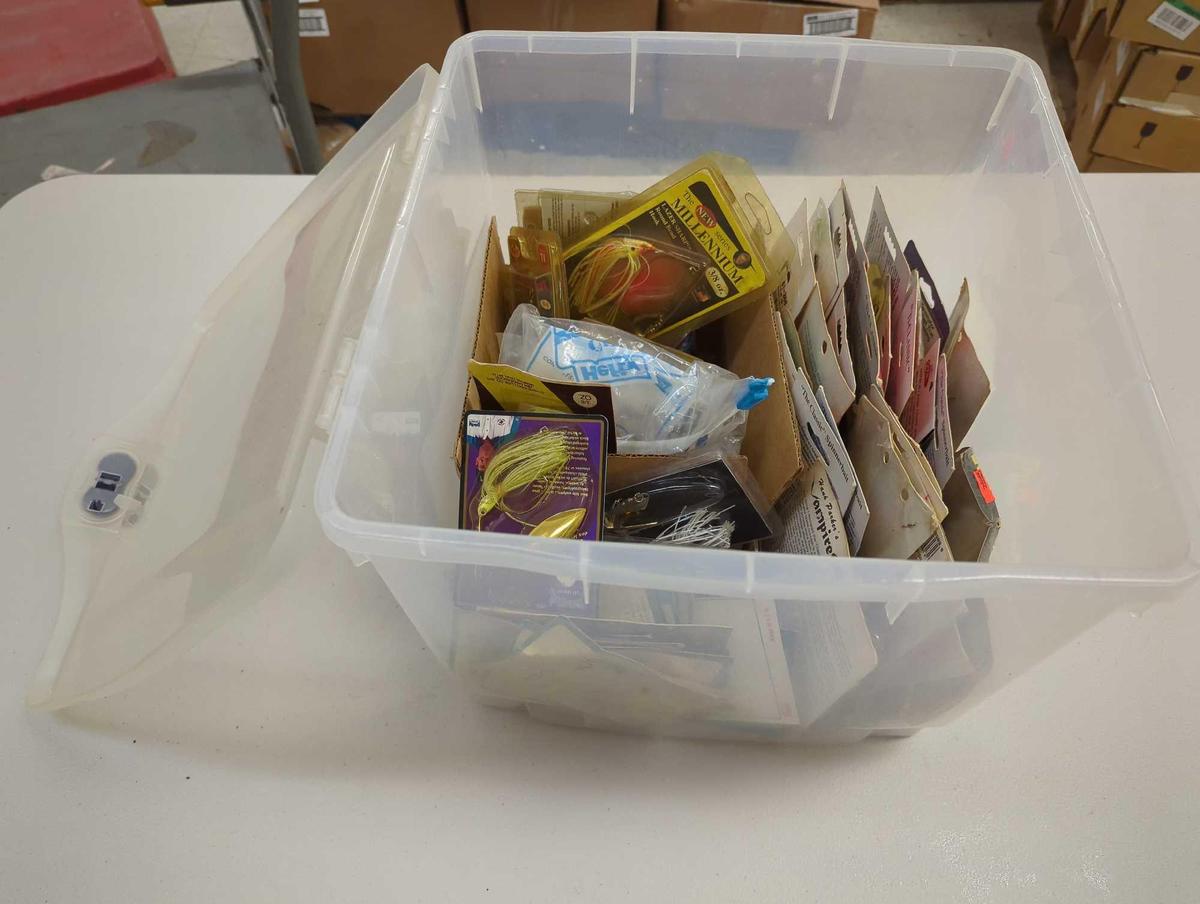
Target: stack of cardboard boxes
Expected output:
[850,18]
[1138,63]
[1085,26]
[355,53]
[846,18]
[562,15]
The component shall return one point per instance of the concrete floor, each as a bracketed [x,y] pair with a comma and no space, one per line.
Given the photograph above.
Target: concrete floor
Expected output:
[206,35]
[999,23]
[996,23]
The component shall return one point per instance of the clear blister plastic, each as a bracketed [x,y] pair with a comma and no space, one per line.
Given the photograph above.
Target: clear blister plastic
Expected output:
[684,254]
[665,402]
[708,499]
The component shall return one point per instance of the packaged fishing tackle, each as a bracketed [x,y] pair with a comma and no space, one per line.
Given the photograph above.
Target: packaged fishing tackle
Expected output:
[535,274]
[685,254]
[664,402]
[707,499]
[541,475]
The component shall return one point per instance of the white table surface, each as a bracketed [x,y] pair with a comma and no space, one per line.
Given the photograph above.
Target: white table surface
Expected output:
[312,750]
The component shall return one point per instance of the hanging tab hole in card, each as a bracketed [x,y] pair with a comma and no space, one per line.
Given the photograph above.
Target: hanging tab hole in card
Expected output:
[758,212]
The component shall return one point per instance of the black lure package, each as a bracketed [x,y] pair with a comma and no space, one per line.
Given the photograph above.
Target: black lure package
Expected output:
[709,499]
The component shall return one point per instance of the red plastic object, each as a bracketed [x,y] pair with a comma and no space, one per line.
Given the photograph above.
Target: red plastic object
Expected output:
[52,51]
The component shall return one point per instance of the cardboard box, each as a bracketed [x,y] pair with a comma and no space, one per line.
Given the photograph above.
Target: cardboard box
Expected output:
[515,77]
[1070,19]
[771,108]
[752,347]
[1051,14]
[1173,24]
[1164,84]
[1090,50]
[1097,95]
[850,18]
[355,53]
[1151,137]
[1090,40]
[1088,15]
[1166,78]
[563,15]
[1100,164]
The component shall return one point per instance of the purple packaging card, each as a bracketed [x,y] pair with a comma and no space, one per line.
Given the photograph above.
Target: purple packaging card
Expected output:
[536,474]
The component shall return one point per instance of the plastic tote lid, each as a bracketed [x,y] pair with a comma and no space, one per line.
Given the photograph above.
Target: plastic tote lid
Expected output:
[170,516]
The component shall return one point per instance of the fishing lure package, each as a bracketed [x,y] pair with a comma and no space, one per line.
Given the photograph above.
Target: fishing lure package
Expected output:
[535,273]
[767,227]
[744,345]
[664,402]
[504,388]
[685,254]
[710,499]
[541,475]
[574,215]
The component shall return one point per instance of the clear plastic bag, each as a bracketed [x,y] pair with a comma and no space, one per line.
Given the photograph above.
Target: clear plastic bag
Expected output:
[665,402]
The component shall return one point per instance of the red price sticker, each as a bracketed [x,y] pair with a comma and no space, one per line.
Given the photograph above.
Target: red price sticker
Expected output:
[984,490]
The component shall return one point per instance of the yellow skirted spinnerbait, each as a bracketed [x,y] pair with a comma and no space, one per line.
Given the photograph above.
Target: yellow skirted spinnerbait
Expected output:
[516,465]
[601,279]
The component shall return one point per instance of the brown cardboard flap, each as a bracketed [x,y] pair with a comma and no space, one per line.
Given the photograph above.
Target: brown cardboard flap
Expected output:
[1165,77]
[754,348]
[624,470]
[1071,18]
[1097,95]
[1151,138]
[491,312]
[493,317]
[1111,165]
[1089,46]
[1135,22]
[1092,20]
